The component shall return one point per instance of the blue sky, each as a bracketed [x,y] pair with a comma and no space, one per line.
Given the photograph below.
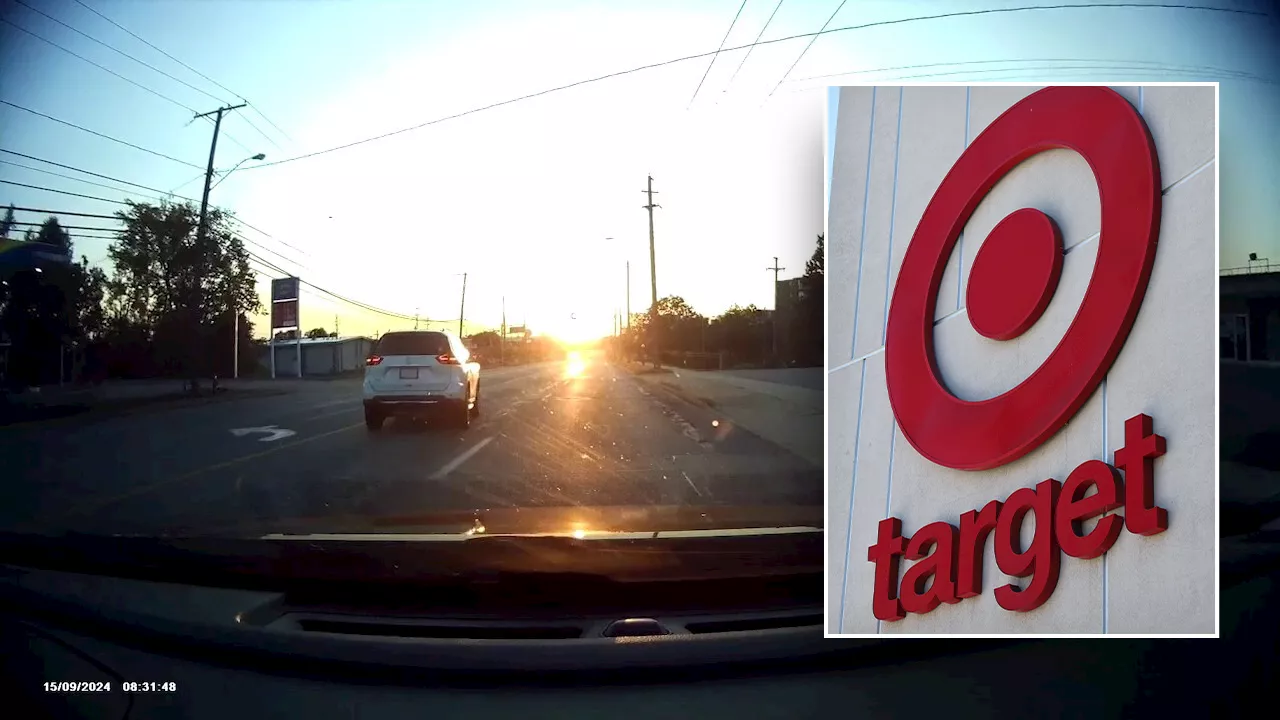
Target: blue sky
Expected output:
[522,196]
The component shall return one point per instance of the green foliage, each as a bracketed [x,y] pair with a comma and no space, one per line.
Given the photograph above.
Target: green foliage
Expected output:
[6,224]
[51,233]
[814,266]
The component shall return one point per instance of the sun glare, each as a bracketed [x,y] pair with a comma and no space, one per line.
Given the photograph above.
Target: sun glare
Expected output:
[575,365]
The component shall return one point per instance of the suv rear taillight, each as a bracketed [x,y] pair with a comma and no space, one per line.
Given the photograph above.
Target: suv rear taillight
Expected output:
[372,360]
[448,359]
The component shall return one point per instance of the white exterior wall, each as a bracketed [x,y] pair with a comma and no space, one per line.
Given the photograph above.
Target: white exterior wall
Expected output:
[892,148]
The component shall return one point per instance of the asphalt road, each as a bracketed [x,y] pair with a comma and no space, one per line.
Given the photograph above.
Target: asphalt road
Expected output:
[601,439]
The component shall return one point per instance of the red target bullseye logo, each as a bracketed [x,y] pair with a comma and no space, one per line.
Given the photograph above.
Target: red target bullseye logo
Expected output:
[1015,274]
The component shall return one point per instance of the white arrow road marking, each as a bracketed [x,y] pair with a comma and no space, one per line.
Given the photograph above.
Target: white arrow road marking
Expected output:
[273,433]
[465,456]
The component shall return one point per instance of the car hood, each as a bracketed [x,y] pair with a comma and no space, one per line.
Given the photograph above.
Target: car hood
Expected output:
[573,521]
[671,543]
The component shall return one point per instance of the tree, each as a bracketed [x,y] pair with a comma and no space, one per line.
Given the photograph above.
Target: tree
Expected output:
[485,339]
[88,317]
[809,327]
[742,333]
[317,334]
[51,233]
[814,266]
[7,223]
[679,326]
[181,290]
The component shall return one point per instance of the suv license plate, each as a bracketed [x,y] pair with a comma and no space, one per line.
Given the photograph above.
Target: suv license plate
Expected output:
[408,373]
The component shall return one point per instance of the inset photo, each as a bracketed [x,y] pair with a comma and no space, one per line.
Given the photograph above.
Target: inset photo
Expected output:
[1022,360]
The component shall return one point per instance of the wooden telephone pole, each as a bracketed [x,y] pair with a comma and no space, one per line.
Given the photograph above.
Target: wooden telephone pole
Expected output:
[203,228]
[774,324]
[655,346]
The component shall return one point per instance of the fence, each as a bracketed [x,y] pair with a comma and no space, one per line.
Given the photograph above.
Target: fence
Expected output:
[1256,268]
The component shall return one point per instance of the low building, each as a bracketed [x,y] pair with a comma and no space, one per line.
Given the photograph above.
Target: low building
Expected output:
[320,356]
[1249,314]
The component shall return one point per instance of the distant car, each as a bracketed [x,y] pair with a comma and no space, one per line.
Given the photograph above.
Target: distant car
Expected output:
[421,374]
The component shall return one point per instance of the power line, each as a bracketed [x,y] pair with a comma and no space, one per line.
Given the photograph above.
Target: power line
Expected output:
[806,48]
[68,177]
[108,70]
[187,182]
[753,44]
[118,51]
[244,117]
[64,227]
[673,61]
[264,117]
[263,249]
[713,57]
[156,49]
[126,182]
[100,67]
[361,305]
[62,192]
[101,135]
[87,172]
[113,217]
[144,41]
[63,212]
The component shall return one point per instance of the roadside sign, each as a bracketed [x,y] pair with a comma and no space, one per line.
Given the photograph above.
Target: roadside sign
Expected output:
[284,289]
[284,314]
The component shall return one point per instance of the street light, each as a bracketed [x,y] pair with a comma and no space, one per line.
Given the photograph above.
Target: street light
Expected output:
[235,314]
[259,156]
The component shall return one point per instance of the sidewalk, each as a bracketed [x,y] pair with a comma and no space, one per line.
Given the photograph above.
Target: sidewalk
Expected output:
[787,415]
[56,402]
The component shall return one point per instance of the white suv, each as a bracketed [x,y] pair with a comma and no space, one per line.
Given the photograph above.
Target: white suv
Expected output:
[419,374]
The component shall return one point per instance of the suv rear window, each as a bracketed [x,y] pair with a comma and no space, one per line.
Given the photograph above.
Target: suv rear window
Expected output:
[412,343]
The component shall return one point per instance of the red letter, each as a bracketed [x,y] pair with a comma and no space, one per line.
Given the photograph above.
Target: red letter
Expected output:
[1141,447]
[886,554]
[941,564]
[974,528]
[1074,508]
[1040,561]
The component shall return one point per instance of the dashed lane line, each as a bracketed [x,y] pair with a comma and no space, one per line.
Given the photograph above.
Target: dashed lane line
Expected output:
[466,455]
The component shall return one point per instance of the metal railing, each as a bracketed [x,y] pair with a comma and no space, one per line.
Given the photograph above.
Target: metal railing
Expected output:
[1257,268]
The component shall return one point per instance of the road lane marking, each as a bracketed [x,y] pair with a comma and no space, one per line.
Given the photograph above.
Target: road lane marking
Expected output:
[143,489]
[273,432]
[343,401]
[331,413]
[455,463]
[695,487]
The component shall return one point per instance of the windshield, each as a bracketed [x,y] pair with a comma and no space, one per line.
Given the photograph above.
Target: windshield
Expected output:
[386,291]
[399,343]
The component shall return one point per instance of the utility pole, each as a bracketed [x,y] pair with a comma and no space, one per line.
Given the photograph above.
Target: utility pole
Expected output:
[653,282]
[415,318]
[502,341]
[628,295]
[203,228]
[462,309]
[774,329]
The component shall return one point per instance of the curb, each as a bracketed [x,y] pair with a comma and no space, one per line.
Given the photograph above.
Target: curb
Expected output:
[88,413]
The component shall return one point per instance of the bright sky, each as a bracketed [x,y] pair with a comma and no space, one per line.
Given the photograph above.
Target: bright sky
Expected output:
[521,197]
